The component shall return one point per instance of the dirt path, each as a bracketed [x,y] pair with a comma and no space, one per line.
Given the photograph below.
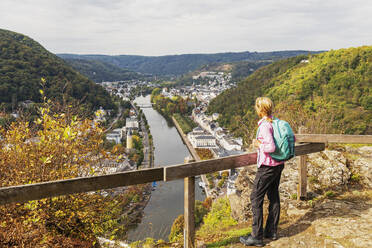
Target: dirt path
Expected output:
[345,221]
[342,221]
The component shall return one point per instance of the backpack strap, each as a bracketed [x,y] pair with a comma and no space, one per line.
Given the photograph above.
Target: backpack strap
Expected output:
[277,126]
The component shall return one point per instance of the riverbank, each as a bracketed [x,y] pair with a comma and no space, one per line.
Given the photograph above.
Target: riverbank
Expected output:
[193,153]
[148,146]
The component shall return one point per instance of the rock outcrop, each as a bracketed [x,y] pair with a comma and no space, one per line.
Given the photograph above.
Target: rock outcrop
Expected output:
[362,164]
[327,170]
[330,170]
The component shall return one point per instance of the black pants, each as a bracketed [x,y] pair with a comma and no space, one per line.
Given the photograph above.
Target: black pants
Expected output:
[267,181]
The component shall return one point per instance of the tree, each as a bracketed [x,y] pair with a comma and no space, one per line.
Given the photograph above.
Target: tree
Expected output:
[56,146]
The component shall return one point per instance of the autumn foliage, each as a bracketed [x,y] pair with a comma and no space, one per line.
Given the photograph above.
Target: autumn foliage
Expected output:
[58,146]
[204,154]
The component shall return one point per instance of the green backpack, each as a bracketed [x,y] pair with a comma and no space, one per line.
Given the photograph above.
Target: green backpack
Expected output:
[284,141]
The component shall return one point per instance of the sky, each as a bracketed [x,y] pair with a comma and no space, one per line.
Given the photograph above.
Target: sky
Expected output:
[164,27]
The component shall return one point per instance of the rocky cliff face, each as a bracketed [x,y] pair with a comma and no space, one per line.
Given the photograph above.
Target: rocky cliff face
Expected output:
[328,171]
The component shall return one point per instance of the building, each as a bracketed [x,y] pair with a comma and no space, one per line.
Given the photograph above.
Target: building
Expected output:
[220,152]
[129,140]
[230,144]
[201,139]
[131,123]
[113,137]
[118,131]
[116,135]
[198,130]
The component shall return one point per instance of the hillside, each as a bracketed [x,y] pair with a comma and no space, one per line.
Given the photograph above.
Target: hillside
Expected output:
[99,71]
[23,62]
[181,64]
[328,92]
[238,70]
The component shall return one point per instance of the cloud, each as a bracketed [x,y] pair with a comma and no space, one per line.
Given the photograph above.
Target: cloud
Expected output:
[158,27]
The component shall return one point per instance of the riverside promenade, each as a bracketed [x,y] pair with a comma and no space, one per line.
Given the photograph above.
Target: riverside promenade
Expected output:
[194,154]
[147,149]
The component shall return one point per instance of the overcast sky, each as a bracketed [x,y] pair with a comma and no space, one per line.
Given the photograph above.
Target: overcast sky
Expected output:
[160,27]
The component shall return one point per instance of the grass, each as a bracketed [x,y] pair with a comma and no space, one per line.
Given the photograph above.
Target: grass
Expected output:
[355,177]
[294,196]
[185,123]
[227,237]
[357,145]
[219,228]
[329,194]
[313,180]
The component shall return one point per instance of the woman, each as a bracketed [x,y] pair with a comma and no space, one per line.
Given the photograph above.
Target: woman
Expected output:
[267,178]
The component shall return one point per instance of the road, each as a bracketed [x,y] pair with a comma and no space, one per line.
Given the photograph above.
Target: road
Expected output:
[115,120]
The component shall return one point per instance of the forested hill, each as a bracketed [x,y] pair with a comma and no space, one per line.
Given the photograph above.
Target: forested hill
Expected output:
[99,71]
[23,62]
[329,92]
[181,64]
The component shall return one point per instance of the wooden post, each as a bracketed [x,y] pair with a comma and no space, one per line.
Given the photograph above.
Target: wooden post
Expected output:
[302,174]
[189,206]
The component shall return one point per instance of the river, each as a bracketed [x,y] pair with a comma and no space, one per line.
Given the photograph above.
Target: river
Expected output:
[166,201]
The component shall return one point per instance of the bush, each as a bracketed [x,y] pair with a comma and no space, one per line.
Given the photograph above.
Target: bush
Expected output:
[204,154]
[208,203]
[67,147]
[221,182]
[219,217]
[210,179]
[329,194]
[200,212]
[177,229]
[355,177]
[225,174]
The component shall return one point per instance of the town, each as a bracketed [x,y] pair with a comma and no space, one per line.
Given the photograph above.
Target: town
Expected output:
[206,135]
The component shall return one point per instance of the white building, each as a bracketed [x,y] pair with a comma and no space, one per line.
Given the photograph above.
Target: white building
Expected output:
[198,130]
[119,131]
[131,123]
[230,144]
[203,141]
[113,137]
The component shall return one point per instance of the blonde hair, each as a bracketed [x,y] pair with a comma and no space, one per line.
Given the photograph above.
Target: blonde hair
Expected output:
[264,107]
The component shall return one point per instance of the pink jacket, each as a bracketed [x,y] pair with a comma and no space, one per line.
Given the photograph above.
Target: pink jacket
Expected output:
[265,136]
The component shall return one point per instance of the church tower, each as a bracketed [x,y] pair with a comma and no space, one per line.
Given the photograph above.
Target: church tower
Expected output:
[129,139]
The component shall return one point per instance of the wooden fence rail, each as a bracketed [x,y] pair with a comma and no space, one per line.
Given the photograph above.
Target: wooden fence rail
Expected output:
[24,193]
[28,192]
[208,166]
[334,138]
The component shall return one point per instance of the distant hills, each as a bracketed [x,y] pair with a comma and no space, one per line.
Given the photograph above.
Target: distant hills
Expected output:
[329,92]
[23,62]
[175,65]
[100,71]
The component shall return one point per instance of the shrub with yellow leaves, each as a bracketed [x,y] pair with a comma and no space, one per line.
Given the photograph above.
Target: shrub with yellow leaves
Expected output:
[57,146]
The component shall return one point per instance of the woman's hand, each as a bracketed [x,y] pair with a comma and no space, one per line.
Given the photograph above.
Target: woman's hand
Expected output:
[256,143]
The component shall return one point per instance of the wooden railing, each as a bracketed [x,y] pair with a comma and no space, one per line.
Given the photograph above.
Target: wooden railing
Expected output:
[188,171]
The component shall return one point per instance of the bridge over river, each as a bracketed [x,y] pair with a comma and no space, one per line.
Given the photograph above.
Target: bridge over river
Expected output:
[144,105]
